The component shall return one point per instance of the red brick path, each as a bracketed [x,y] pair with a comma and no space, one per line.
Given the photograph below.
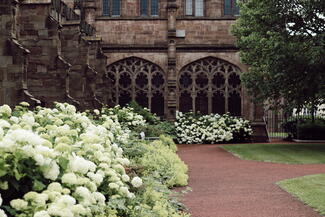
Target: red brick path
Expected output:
[225,186]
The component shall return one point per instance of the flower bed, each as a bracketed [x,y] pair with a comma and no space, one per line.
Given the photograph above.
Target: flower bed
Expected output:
[192,128]
[60,162]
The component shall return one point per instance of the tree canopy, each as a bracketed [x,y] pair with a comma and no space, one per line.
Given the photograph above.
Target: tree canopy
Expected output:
[283,42]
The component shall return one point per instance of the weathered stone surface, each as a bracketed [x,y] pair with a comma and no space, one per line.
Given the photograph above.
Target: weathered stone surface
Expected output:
[68,61]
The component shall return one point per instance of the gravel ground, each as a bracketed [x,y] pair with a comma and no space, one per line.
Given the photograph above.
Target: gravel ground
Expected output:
[225,186]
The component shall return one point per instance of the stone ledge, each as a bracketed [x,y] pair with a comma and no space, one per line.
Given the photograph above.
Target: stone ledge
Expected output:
[36,2]
[130,18]
[71,23]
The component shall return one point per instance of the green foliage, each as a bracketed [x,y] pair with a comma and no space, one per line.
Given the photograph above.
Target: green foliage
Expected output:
[144,112]
[163,127]
[283,42]
[305,128]
[163,163]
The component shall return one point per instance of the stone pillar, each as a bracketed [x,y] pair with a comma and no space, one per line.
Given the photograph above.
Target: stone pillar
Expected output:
[171,73]
[47,69]
[258,124]
[89,8]
[13,58]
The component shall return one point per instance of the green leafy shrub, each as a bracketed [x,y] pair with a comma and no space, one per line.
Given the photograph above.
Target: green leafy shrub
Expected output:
[144,112]
[305,128]
[162,163]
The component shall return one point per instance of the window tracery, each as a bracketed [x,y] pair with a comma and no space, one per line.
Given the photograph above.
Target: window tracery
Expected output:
[210,85]
[138,80]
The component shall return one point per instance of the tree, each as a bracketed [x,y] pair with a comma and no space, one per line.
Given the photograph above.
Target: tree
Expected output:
[283,42]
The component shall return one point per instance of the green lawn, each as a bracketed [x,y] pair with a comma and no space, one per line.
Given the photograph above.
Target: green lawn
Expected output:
[309,189]
[280,153]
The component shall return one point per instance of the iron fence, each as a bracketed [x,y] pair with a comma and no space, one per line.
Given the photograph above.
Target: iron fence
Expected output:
[281,125]
[274,124]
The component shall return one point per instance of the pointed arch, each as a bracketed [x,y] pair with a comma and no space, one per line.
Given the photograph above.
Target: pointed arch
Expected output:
[137,79]
[210,85]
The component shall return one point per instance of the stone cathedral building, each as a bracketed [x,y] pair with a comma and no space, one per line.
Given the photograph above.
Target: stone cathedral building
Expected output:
[167,55]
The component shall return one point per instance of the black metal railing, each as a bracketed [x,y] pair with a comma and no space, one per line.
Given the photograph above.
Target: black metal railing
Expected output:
[274,123]
[281,125]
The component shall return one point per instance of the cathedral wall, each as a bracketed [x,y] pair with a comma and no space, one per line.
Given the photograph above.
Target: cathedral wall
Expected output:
[206,31]
[132,32]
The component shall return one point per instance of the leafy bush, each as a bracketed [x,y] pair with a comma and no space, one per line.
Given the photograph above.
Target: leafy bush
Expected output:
[311,131]
[193,128]
[162,163]
[305,128]
[163,127]
[144,112]
[59,162]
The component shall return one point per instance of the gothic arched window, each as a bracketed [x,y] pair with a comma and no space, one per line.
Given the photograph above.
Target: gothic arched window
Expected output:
[135,79]
[210,85]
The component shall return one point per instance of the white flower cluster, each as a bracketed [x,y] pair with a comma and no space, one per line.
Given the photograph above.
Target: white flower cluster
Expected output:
[72,153]
[199,129]
[126,116]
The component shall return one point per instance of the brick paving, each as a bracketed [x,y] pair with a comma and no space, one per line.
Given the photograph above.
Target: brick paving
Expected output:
[226,186]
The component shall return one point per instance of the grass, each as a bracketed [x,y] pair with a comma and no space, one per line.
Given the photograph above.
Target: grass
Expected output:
[278,134]
[280,153]
[309,189]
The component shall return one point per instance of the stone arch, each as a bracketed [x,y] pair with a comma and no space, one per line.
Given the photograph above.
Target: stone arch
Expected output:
[210,85]
[137,79]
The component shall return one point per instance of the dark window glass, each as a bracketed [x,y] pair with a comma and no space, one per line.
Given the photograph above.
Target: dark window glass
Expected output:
[144,7]
[201,102]
[218,103]
[185,102]
[234,104]
[105,7]
[157,104]
[116,8]
[154,7]
[231,7]
[142,99]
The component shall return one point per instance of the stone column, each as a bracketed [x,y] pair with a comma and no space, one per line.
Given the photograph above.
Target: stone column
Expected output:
[171,73]
[47,69]
[13,58]
[89,8]
[258,124]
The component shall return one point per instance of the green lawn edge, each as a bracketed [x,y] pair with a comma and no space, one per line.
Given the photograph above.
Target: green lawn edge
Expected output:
[294,153]
[308,189]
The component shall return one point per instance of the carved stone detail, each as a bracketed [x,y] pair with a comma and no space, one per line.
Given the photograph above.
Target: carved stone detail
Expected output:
[210,85]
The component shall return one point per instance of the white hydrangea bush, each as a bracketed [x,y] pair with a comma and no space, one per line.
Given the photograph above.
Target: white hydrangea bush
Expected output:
[59,162]
[192,128]
[126,116]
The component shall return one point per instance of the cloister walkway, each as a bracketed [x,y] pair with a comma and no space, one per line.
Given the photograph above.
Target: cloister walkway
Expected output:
[226,186]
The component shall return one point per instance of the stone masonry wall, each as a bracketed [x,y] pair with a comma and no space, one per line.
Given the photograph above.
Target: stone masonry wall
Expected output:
[47,70]
[13,58]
